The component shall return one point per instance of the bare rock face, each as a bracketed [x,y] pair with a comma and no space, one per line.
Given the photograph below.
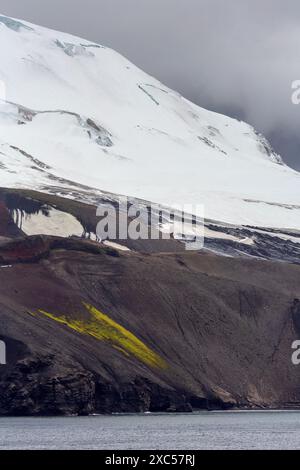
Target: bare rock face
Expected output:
[295,310]
[37,395]
[92,330]
[33,389]
[7,225]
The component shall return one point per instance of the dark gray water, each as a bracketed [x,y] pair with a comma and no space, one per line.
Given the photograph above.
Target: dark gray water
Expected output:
[217,430]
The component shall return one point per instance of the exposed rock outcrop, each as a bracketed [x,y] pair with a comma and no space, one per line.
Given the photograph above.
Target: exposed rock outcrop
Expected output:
[218,331]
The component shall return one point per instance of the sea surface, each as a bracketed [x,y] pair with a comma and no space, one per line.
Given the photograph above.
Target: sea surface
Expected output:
[204,430]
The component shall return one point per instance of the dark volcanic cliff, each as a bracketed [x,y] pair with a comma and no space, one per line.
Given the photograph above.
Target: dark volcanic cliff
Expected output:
[92,330]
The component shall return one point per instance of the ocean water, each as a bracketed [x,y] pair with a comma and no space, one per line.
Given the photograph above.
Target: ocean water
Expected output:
[204,430]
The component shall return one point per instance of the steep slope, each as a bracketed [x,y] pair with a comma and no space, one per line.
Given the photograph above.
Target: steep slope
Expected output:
[26,212]
[90,330]
[78,116]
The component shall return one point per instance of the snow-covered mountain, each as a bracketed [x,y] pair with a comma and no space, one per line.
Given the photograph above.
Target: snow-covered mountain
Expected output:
[77,115]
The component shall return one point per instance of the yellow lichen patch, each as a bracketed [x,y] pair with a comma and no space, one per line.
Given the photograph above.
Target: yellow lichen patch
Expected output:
[103,328]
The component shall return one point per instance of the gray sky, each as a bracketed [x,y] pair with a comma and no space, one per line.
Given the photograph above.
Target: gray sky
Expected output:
[238,57]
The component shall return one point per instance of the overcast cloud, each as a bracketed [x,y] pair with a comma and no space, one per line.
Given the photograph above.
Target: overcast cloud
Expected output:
[233,56]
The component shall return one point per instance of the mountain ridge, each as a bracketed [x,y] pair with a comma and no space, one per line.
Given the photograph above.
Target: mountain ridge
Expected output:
[129,325]
[93,118]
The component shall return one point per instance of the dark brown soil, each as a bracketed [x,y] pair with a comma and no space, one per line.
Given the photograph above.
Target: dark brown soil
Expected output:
[223,327]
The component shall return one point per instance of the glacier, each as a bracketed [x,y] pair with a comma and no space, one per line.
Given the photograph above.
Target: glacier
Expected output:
[78,118]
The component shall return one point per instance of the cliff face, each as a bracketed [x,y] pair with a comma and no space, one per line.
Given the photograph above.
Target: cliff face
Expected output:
[92,330]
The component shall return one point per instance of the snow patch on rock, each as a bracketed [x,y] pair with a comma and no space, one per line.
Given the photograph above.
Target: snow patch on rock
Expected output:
[51,222]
